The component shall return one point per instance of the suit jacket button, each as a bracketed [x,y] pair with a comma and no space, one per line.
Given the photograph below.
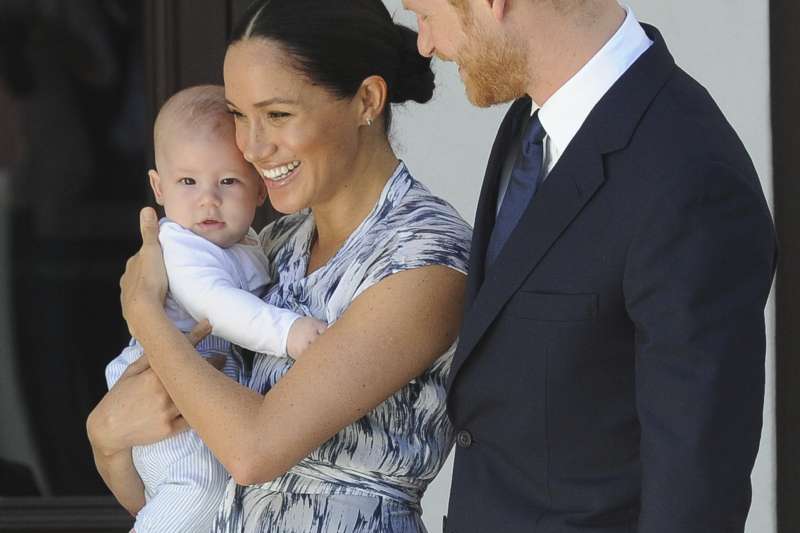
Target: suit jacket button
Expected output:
[464,438]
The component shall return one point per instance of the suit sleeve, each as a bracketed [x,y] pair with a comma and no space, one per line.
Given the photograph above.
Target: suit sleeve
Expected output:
[697,278]
[201,280]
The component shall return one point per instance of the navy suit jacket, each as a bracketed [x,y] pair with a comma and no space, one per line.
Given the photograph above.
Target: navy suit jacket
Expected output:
[610,370]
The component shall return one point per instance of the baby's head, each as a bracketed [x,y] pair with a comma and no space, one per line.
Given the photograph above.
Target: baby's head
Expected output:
[201,178]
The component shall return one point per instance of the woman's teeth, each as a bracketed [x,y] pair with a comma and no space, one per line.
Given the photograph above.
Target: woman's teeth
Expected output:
[279,173]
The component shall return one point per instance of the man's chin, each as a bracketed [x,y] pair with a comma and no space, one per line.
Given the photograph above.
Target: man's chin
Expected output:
[486,99]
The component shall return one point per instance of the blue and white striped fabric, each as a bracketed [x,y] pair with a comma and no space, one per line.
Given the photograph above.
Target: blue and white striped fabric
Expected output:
[183,481]
[371,475]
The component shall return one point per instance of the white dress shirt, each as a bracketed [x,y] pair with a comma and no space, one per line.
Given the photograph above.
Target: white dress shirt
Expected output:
[566,111]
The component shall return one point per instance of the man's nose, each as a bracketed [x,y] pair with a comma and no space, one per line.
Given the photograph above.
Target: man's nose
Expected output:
[424,42]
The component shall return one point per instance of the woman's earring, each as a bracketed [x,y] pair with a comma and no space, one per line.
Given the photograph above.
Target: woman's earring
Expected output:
[369,122]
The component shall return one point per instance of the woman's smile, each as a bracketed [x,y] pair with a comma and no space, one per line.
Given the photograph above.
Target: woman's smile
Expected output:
[280,176]
[279,172]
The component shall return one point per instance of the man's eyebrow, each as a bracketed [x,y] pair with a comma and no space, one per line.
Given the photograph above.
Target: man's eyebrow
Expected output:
[270,101]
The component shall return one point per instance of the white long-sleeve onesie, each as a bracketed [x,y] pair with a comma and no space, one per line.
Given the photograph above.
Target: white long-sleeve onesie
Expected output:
[223,285]
[184,482]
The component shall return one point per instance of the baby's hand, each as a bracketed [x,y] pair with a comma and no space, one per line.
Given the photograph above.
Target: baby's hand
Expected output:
[303,332]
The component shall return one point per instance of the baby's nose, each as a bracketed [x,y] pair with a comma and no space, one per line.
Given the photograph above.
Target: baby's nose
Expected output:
[211,197]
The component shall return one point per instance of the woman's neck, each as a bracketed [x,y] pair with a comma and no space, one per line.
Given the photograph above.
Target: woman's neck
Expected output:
[337,219]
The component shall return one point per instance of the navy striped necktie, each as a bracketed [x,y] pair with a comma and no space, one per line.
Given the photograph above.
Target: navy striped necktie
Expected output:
[525,178]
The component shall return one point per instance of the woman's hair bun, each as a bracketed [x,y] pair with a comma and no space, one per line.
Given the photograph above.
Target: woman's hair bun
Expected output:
[415,80]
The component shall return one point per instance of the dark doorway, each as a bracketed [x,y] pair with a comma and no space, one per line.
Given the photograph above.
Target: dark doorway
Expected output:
[79,86]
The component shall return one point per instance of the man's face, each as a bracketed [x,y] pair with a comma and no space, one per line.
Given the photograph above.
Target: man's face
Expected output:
[491,66]
[441,29]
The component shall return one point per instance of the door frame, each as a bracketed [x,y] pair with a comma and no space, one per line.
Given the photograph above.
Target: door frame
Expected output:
[785,78]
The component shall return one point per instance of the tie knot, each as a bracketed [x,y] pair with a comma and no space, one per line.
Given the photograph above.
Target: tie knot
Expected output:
[534,133]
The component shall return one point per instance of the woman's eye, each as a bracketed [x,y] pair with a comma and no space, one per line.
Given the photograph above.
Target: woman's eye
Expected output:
[187,181]
[236,115]
[275,115]
[229,181]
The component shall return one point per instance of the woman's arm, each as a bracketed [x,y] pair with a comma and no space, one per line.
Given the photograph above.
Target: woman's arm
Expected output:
[136,411]
[390,334]
[113,432]
[122,479]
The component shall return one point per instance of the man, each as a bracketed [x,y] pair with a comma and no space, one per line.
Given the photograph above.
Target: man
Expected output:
[610,371]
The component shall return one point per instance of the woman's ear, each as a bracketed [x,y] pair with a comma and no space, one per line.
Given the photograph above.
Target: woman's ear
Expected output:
[155,184]
[371,98]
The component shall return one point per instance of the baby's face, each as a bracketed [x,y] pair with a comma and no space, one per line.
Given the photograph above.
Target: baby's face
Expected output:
[206,186]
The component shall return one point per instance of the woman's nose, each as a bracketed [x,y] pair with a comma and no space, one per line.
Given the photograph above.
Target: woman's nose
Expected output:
[257,147]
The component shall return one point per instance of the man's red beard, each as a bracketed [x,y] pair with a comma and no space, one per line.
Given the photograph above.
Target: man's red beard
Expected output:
[493,71]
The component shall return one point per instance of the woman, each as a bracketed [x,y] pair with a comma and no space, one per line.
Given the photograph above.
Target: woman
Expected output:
[347,438]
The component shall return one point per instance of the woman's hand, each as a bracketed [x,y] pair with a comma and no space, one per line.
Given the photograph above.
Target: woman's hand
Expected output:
[137,410]
[144,283]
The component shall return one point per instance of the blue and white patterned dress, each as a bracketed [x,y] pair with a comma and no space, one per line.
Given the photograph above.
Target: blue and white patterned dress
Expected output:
[371,475]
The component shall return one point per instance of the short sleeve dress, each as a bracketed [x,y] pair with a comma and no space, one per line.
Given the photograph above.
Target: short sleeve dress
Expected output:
[371,475]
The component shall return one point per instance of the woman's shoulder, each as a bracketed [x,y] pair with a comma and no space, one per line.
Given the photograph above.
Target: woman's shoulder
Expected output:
[422,229]
[418,212]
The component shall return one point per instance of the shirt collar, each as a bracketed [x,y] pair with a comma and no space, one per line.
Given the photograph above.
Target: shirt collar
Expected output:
[566,111]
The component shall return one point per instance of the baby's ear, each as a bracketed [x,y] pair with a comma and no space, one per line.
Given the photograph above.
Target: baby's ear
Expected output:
[155,184]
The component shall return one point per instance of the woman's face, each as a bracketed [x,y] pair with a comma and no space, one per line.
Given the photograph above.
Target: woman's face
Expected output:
[302,139]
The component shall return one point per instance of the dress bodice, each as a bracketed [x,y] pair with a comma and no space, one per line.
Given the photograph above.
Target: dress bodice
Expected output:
[396,449]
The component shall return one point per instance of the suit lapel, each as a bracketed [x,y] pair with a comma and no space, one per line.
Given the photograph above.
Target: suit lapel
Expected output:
[487,203]
[569,187]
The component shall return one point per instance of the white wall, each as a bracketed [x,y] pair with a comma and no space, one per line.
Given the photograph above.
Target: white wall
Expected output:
[722,43]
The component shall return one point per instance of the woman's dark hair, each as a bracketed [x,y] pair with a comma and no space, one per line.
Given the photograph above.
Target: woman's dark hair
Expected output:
[337,44]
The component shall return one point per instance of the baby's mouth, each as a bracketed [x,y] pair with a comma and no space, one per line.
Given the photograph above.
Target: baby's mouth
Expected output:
[211,223]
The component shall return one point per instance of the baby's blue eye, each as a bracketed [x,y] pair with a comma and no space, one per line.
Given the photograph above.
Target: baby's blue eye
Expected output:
[187,181]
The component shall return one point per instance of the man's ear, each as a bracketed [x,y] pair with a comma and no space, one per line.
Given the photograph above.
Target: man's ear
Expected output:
[155,184]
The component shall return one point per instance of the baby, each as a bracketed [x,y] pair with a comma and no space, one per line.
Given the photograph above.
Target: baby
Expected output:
[217,271]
